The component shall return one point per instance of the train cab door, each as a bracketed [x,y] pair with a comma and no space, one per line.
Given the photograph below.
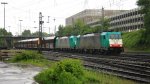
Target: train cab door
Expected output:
[104,41]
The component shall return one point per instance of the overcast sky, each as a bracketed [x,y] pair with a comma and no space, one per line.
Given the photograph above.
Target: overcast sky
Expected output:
[28,11]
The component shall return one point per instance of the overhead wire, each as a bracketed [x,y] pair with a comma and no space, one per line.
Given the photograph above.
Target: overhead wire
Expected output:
[57,5]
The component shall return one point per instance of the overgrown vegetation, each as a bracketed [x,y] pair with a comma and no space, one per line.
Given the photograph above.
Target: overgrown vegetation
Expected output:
[31,58]
[145,10]
[94,77]
[68,71]
[27,55]
[64,72]
[80,28]
[71,71]
[27,33]
[3,41]
[135,41]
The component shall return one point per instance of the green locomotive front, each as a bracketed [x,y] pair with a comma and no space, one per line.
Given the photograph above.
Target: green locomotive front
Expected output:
[111,42]
[105,43]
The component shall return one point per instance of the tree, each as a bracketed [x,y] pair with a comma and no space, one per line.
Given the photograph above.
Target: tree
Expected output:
[145,10]
[26,33]
[4,41]
[3,32]
[36,34]
[61,30]
[97,29]
[106,24]
[44,34]
[103,27]
[78,28]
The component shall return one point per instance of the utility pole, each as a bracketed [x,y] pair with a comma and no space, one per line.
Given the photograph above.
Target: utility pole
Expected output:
[4,11]
[102,18]
[49,31]
[40,32]
[48,19]
[40,24]
[54,26]
[20,26]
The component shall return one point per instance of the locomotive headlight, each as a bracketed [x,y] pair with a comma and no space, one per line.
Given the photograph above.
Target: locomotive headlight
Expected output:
[111,45]
[120,45]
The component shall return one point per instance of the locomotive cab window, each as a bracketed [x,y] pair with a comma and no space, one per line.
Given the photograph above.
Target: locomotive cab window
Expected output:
[104,37]
[115,36]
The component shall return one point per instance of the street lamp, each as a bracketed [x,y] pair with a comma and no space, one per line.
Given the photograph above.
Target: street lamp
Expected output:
[49,25]
[9,28]
[20,26]
[4,12]
[34,25]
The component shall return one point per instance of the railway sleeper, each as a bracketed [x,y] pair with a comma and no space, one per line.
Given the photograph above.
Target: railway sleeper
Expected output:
[126,74]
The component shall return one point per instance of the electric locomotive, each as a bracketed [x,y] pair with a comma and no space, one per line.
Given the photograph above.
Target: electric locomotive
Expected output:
[104,43]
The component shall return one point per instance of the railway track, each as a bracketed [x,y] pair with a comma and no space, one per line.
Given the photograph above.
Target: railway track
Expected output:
[128,66]
[7,54]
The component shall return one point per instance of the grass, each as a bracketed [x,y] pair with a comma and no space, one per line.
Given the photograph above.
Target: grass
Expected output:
[38,63]
[137,50]
[11,51]
[30,58]
[71,71]
[68,71]
[95,77]
[133,42]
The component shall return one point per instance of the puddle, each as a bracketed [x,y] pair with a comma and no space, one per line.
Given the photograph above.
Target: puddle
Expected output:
[10,74]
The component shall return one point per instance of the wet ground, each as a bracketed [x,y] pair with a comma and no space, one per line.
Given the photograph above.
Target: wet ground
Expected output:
[11,74]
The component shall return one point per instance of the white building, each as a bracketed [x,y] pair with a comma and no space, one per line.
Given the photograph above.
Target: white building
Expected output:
[90,15]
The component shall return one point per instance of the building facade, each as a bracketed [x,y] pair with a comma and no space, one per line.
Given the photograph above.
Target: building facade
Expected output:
[127,21]
[90,15]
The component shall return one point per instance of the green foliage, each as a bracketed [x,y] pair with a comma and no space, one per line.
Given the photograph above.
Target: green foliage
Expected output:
[136,40]
[71,71]
[36,34]
[26,33]
[145,5]
[27,55]
[61,30]
[94,77]
[68,78]
[3,41]
[145,9]
[97,29]
[45,77]
[36,62]
[3,32]
[106,24]
[64,72]
[79,28]
[44,34]
[30,58]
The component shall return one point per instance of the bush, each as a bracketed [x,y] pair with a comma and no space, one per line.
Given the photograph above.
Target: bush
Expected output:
[27,55]
[64,72]
[71,71]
